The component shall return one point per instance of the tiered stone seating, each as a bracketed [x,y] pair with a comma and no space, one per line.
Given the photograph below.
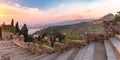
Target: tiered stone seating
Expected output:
[31,56]
[116,46]
[81,53]
[51,56]
[89,52]
[38,57]
[48,53]
[65,55]
[109,51]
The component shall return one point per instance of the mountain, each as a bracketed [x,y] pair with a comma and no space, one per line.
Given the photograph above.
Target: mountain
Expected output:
[69,22]
[78,29]
[109,16]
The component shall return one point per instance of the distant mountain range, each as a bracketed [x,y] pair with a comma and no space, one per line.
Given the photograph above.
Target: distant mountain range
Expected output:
[68,22]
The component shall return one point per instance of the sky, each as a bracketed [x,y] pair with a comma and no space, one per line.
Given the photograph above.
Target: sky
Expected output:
[50,11]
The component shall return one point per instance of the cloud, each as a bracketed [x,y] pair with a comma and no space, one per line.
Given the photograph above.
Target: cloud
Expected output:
[60,13]
[35,15]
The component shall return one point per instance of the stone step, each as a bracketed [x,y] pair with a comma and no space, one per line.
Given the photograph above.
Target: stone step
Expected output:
[65,55]
[8,41]
[39,57]
[13,48]
[116,46]
[21,52]
[51,56]
[109,51]
[31,56]
[20,56]
[99,52]
[81,53]
[73,55]
[89,52]
[8,47]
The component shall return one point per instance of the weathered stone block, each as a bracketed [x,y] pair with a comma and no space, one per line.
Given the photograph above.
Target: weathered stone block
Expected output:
[59,47]
[46,49]
[74,43]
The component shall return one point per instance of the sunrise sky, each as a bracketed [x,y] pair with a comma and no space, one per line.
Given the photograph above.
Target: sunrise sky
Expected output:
[51,11]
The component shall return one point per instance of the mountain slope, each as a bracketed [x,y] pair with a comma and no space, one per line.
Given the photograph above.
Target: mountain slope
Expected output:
[79,28]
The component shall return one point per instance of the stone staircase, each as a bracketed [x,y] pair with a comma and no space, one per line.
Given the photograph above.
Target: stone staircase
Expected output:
[106,50]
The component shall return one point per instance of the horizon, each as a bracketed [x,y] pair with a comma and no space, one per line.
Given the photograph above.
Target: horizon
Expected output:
[48,11]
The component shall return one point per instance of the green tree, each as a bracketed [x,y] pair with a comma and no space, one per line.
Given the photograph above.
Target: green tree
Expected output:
[56,34]
[12,26]
[17,29]
[12,23]
[24,32]
[52,40]
[117,18]
[39,38]
[43,35]
[3,25]
[70,37]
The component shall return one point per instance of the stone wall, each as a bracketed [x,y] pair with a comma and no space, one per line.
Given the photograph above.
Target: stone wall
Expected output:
[92,37]
[58,47]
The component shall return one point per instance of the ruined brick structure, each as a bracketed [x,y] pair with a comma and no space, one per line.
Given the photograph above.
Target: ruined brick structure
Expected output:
[7,32]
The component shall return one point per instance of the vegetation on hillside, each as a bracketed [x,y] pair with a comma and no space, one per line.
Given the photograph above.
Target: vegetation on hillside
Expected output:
[75,29]
[70,37]
[17,29]
[24,32]
[117,18]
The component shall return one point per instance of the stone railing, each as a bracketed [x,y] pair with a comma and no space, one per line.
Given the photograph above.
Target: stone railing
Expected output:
[46,49]
[27,45]
[76,43]
[58,47]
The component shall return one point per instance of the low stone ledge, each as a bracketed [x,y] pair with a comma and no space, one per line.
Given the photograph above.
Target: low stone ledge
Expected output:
[74,43]
[37,49]
[59,47]
[117,37]
[46,49]
[31,47]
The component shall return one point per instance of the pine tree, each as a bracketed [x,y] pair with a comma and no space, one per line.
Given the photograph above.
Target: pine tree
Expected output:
[52,40]
[12,26]
[24,32]
[12,23]
[17,29]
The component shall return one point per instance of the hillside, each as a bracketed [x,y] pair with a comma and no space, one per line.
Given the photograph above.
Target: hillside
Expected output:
[75,29]
[79,28]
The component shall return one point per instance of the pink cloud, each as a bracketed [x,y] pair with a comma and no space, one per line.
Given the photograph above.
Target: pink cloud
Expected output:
[34,15]
[61,13]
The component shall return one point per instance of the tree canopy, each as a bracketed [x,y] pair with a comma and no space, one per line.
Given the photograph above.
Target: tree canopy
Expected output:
[17,29]
[24,32]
